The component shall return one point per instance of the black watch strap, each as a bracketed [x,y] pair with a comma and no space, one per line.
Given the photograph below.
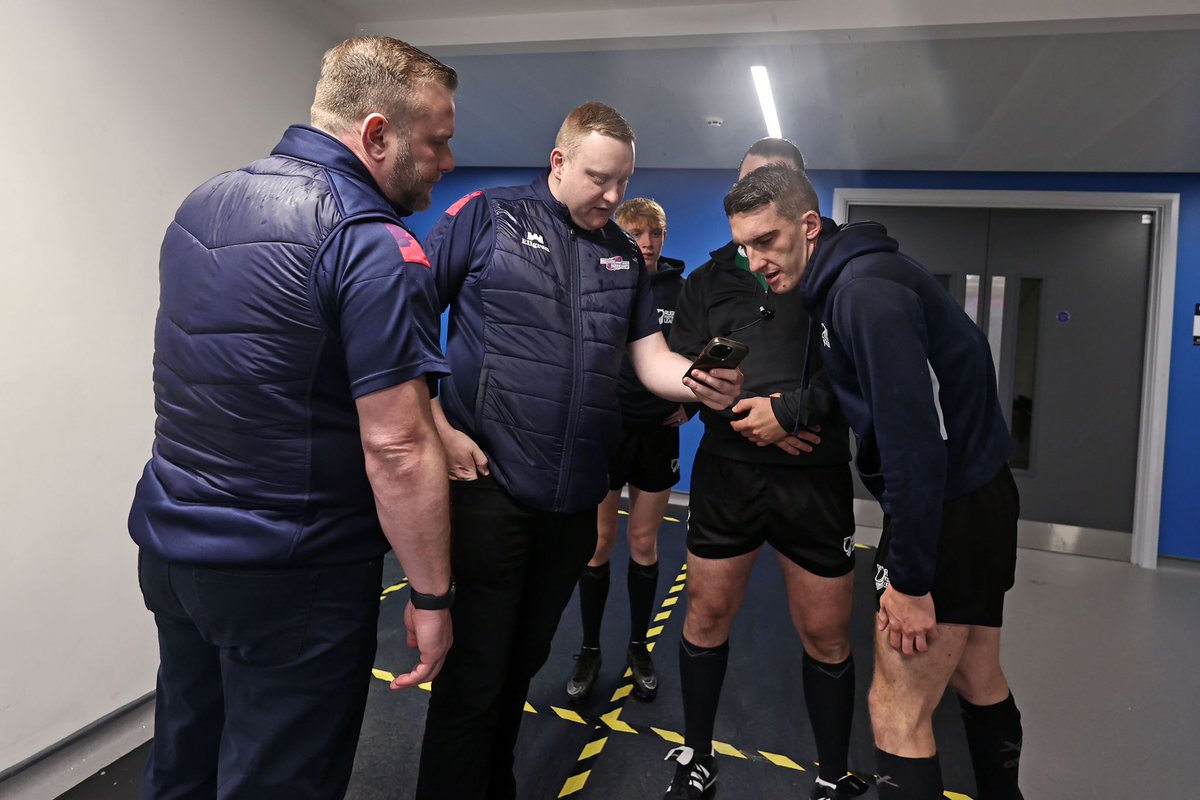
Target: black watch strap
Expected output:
[432,602]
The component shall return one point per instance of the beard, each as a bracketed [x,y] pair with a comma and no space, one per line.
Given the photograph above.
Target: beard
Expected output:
[405,187]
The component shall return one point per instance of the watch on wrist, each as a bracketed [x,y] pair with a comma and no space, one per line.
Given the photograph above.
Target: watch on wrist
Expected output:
[432,602]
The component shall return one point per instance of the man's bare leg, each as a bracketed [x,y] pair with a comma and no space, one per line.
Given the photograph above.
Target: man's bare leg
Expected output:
[904,692]
[820,609]
[990,716]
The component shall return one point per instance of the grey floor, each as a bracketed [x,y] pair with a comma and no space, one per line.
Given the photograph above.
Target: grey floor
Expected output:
[1102,656]
[1105,658]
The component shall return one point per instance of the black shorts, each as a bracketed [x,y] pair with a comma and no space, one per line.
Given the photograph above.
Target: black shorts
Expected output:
[977,554]
[648,459]
[805,513]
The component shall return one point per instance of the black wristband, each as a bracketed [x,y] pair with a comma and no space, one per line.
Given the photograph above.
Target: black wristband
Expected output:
[432,602]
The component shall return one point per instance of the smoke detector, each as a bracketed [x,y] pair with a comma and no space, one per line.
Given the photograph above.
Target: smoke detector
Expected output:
[713,122]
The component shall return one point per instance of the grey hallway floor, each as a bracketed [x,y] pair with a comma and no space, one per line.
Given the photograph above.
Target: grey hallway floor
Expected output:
[1103,658]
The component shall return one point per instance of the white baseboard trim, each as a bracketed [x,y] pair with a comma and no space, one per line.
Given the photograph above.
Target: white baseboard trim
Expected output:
[66,765]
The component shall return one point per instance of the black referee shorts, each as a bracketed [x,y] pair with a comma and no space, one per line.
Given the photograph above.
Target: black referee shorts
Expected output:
[647,459]
[977,554]
[806,513]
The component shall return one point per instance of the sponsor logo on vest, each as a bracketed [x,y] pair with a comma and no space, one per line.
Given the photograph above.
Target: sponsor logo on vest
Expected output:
[848,545]
[675,466]
[825,336]
[881,577]
[614,264]
[666,316]
[535,240]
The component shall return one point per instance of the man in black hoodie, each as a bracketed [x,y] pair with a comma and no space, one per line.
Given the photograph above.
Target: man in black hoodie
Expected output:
[647,460]
[916,381]
[761,476]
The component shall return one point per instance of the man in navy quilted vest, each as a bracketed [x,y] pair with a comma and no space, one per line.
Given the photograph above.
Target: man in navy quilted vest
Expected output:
[296,340]
[547,294]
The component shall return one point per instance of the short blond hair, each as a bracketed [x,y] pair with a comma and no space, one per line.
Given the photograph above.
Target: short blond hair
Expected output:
[641,209]
[374,74]
[588,118]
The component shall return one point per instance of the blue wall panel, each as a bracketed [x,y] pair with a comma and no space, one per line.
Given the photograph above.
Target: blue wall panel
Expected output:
[696,224]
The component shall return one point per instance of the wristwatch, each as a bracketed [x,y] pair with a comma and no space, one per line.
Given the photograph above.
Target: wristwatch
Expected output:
[432,602]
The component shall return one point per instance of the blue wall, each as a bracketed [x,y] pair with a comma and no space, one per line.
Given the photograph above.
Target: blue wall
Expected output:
[696,224]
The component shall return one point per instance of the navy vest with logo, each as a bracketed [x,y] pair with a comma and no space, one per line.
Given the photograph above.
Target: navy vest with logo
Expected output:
[537,335]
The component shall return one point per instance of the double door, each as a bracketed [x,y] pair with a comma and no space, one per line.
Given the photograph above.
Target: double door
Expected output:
[1061,296]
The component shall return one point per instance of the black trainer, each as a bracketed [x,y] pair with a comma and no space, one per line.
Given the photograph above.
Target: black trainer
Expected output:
[848,786]
[587,667]
[694,775]
[645,679]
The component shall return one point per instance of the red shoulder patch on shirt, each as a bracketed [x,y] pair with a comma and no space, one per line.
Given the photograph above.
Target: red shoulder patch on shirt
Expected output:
[410,248]
[453,210]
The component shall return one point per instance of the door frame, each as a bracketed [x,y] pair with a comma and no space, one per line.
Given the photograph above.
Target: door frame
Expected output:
[1152,427]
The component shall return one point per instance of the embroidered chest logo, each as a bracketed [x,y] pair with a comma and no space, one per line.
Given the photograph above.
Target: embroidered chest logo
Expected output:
[535,240]
[825,336]
[614,264]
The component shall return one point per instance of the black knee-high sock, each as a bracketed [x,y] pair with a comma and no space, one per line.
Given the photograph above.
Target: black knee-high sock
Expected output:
[643,583]
[829,696]
[994,738]
[593,593]
[701,673]
[908,778]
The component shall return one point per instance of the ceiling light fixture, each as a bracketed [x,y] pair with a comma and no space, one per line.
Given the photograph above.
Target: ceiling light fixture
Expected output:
[762,84]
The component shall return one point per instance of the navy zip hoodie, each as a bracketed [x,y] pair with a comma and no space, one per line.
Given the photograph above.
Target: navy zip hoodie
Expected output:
[916,381]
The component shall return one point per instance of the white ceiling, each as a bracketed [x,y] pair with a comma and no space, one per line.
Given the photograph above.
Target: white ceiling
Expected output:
[1040,85]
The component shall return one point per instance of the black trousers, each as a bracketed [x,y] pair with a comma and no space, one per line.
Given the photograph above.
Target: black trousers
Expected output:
[263,679]
[515,570]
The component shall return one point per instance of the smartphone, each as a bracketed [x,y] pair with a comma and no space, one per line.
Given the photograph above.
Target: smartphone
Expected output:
[720,353]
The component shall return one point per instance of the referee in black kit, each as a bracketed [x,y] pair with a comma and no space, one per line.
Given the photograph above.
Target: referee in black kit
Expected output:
[767,478]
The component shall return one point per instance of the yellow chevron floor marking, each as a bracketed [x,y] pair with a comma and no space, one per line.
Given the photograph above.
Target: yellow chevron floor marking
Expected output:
[676,588]
[394,588]
[593,749]
[670,601]
[565,713]
[622,691]
[613,720]
[655,631]
[781,761]
[726,749]
[956,796]
[622,512]
[530,708]
[669,736]
[574,784]
[670,519]
[650,646]
[383,676]
[863,547]
[663,617]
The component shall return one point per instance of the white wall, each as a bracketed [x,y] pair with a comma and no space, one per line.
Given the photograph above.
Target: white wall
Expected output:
[110,113]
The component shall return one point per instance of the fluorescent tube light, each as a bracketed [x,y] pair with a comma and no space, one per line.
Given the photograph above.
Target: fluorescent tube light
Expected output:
[762,84]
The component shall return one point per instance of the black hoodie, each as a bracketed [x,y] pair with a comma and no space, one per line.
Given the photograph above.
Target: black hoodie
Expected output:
[916,381]
[722,299]
[641,409]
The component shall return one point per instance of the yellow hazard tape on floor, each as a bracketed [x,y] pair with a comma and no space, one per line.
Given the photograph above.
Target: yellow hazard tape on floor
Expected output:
[612,721]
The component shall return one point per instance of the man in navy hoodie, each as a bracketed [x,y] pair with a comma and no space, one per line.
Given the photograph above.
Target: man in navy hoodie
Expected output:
[916,381]
[296,340]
